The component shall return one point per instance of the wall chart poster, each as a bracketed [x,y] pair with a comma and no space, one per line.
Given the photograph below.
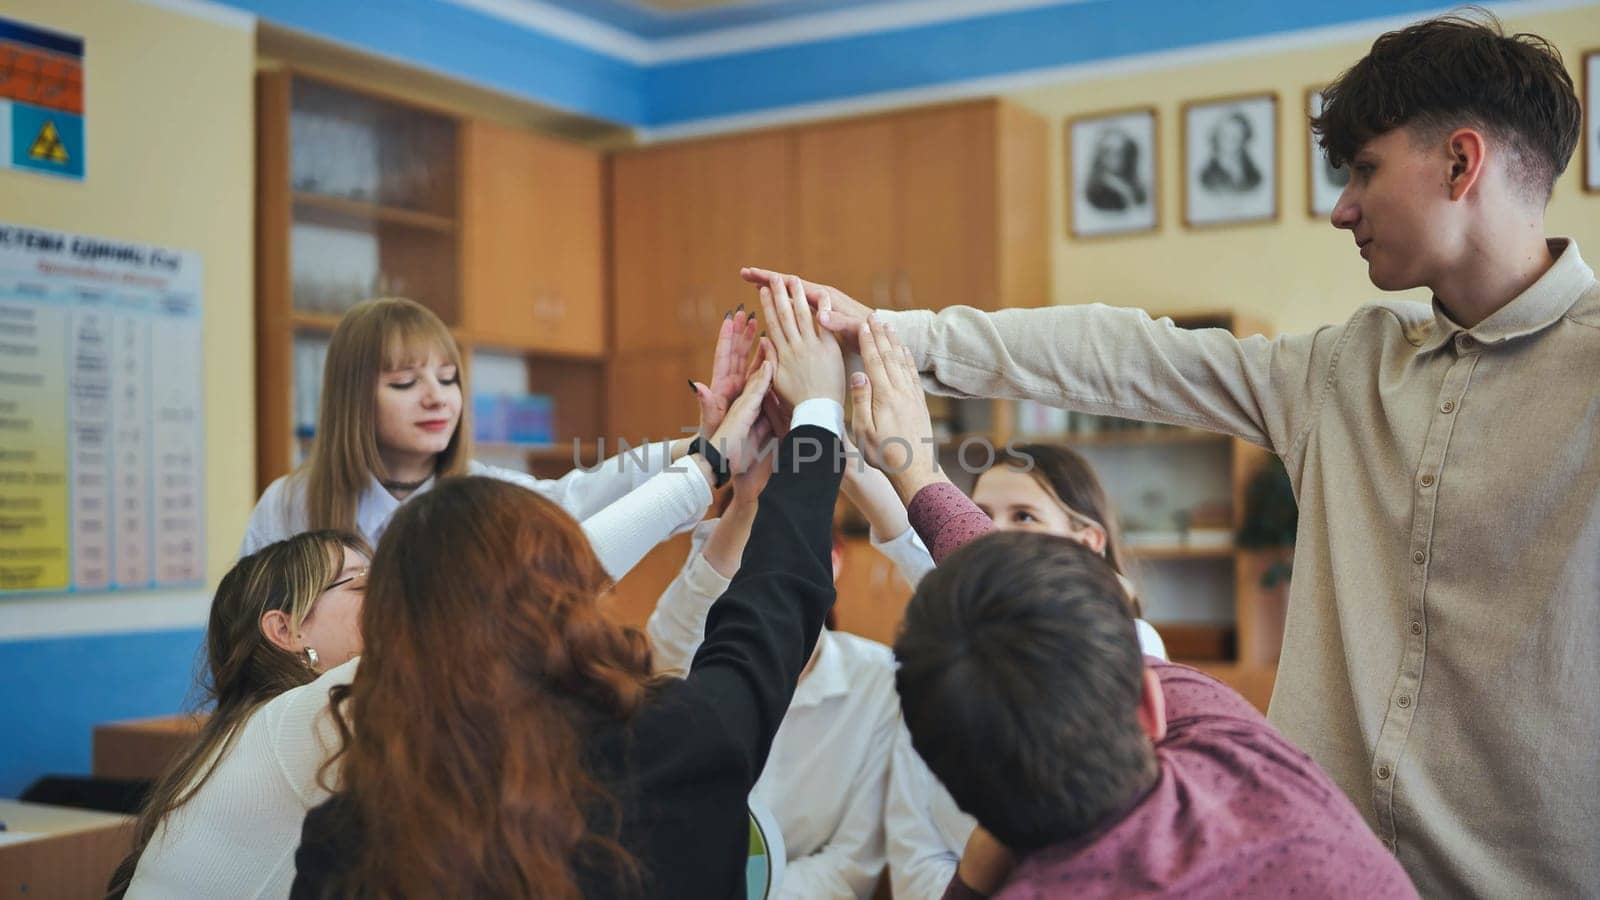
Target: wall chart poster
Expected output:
[102,442]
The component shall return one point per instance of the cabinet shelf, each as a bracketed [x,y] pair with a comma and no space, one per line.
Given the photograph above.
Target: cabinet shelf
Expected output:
[311,321]
[375,212]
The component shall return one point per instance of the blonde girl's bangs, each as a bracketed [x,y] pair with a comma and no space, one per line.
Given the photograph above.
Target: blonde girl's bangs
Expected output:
[410,340]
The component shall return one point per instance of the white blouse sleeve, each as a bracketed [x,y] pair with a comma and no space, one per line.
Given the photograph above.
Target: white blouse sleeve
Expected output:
[669,502]
[585,492]
[678,624]
[908,553]
[922,854]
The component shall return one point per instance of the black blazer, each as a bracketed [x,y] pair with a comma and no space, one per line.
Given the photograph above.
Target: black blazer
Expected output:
[682,767]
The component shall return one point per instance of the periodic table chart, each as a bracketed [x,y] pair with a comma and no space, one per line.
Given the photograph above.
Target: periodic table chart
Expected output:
[102,450]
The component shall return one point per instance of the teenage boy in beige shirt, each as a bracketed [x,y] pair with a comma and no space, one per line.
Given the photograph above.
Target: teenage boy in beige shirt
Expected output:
[1442,654]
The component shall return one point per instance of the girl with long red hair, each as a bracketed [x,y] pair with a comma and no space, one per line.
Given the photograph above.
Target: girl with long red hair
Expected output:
[503,737]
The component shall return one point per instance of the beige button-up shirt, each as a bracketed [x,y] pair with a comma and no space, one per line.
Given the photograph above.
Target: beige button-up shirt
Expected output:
[1442,654]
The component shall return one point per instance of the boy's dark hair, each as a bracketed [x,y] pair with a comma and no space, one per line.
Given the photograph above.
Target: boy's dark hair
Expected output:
[1020,677]
[1456,71]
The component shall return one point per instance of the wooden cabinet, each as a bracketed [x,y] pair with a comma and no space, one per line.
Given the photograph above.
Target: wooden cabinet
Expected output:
[532,242]
[684,219]
[872,595]
[917,209]
[929,208]
[498,231]
[846,205]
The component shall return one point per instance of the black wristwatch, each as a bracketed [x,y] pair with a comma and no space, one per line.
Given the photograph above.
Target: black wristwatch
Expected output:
[713,457]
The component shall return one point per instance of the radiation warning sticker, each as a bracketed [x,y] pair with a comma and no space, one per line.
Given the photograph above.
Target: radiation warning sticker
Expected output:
[41,100]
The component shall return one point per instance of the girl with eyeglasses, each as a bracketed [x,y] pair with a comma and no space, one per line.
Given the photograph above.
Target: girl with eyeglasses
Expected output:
[224,819]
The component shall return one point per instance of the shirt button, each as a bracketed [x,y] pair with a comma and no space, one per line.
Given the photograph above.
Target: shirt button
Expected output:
[1383,773]
[1419,557]
[1404,701]
[1448,406]
[1416,627]
[1427,481]
[1467,342]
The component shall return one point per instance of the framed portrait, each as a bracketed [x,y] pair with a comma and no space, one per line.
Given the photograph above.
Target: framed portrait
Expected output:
[1591,121]
[1111,173]
[1230,160]
[1324,183]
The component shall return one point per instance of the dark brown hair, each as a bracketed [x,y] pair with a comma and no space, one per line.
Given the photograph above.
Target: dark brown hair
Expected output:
[243,668]
[1456,71]
[487,658]
[1018,651]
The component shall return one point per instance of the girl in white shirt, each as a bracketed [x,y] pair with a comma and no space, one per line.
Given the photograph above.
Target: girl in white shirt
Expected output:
[1058,494]
[394,417]
[225,818]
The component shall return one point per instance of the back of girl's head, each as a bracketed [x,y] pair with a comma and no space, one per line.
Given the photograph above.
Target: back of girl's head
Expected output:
[374,336]
[243,668]
[1070,479]
[486,658]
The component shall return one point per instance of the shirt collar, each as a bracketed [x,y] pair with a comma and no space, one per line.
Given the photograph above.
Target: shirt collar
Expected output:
[827,679]
[1535,309]
[378,507]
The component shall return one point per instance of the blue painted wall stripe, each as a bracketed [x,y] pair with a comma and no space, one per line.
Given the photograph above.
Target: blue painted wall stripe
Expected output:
[57,690]
[471,46]
[960,51]
[478,48]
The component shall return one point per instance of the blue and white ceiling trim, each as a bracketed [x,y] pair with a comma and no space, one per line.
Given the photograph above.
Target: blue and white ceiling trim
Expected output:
[760,61]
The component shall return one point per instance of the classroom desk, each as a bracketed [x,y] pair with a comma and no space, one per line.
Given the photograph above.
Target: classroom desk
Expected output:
[142,748]
[49,852]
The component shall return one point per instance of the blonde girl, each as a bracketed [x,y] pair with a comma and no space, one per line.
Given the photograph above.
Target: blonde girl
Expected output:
[395,418]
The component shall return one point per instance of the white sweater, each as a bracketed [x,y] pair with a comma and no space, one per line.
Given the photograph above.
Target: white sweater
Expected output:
[236,837]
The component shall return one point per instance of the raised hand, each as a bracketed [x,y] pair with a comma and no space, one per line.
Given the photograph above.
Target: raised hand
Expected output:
[837,311]
[728,369]
[810,363]
[742,435]
[891,413]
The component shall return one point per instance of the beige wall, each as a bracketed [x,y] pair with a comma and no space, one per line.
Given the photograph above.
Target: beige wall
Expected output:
[1296,273]
[170,130]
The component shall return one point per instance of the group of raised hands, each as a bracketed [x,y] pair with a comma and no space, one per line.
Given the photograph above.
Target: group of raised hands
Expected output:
[758,378]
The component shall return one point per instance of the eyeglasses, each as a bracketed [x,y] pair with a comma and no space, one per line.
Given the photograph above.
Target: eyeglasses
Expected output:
[358,574]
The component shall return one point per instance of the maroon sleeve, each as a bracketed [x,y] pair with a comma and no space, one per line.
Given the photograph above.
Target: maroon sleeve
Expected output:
[1192,695]
[945,519]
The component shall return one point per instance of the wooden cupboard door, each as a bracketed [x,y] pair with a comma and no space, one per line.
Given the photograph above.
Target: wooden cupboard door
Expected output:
[872,595]
[654,193]
[747,219]
[569,240]
[648,395]
[532,242]
[634,598]
[845,194]
[947,208]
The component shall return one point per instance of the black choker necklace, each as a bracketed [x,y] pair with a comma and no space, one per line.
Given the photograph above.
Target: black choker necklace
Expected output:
[404,485]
